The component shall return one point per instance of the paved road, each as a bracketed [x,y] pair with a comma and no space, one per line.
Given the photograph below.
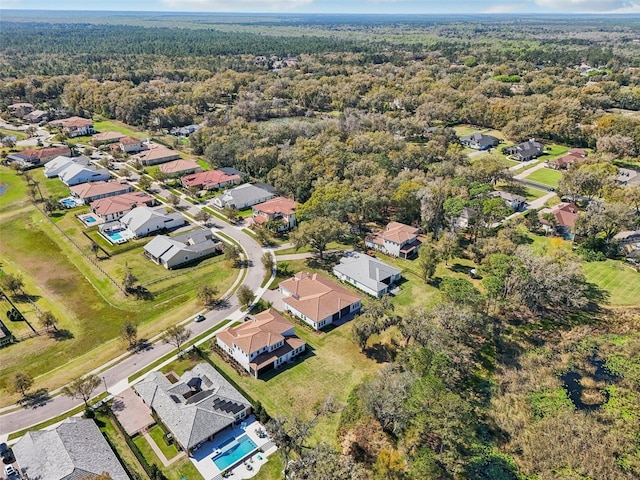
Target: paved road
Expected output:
[123,367]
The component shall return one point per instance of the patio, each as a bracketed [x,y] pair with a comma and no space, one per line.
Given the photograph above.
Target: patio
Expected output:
[131,411]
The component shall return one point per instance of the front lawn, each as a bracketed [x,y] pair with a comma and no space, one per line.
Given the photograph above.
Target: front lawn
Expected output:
[621,281]
[545,176]
[554,151]
[534,193]
[115,126]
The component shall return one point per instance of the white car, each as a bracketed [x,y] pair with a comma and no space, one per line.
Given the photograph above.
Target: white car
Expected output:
[9,471]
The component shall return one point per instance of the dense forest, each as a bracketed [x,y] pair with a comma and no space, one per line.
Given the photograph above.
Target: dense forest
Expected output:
[354,118]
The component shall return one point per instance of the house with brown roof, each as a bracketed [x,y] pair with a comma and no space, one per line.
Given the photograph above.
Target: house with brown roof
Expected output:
[38,156]
[318,301]
[182,166]
[36,116]
[397,240]
[264,342]
[114,208]
[105,138]
[211,179]
[74,126]
[559,219]
[279,209]
[564,162]
[20,109]
[155,155]
[131,145]
[90,192]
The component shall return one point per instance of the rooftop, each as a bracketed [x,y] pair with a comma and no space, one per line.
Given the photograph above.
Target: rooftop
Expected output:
[209,179]
[278,205]
[366,270]
[180,165]
[121,203]
[93,189]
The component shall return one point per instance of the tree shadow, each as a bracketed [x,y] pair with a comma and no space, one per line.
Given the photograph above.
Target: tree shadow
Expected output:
[62,334]
[381,353]
[117,405]
[26,297]
[35,399]
[460,268]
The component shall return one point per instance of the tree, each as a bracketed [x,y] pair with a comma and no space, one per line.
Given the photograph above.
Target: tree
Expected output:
[174,200]
[231,213]
[268,261]
[50,206]
[49,321]
[208,295]
[176,335]
[203,216]
[129,333]
[144,183]
[82,388]
[129,281]
[447,246]
[427,260]
[95,249]
[160,176]
[11,282]
[245,296]
[605,218]
[232,254]
[318,234]
[22,382]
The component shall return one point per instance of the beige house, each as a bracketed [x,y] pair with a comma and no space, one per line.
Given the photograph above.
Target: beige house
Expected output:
[182,166]
[397,240]
[155,155]
[279,209]
[106,137]
[114,208]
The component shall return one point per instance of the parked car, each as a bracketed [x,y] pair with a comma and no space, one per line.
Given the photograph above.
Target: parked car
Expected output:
[5,453]
[200,318]
[9,471]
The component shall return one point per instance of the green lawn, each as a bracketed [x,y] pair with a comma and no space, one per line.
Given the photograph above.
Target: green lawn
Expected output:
[620,280]
[12,133]
[545,176]
[176,471]
[50,187]
[14,190]
[533,193]
[115,126]
[119,443]
[307,248]
[157,434]
[554,151]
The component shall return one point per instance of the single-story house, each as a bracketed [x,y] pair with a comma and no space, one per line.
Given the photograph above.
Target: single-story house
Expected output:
[263,342]
[564,218]
[131,145]
[633,258]
[316,300]
[526,151]
[210,180]
[627,176]
[90,192]
[74,126]
[143,221]
[200,404]
[38,156]
[74,449]
[171,252]
[397,240]
[36,116]
[564,162]
[479,141]
[76,174]
[155,155]
[628,237]
[114,208]
[21,109]
[279,209]
[53,168]
[105,138]
[243,196]
[517,202]
[184,132]
[182,166]
[367,273]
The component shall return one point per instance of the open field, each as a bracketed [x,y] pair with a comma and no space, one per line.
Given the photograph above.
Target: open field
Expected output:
[14,190]
[620,280]
[545,176]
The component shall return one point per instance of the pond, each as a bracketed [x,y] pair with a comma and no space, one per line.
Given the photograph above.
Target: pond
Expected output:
[572,382]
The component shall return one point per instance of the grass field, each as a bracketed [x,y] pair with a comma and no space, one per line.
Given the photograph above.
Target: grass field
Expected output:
[308,249]
[182,468]
[554,151]
[545,176]
[533,193]
[14,190]
[102,126]
[620,280]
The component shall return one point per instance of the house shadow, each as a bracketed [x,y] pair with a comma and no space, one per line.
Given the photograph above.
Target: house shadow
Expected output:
[308,353]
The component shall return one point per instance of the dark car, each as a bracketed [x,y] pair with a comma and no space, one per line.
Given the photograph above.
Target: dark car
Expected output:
[200,318]
[5,453]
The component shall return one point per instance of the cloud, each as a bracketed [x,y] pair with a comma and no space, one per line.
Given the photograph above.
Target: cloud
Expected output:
[238,5]
[509,7]
[590,6]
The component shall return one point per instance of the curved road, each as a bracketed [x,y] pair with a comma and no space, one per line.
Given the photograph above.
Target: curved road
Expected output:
[120,369]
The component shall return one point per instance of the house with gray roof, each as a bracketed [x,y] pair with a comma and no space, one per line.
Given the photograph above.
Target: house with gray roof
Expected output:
[480,141]
[76,173]
[243,196]
[526,151]
[73,450]
[517,202]
[171,252]
[53,168]
[200,404]
[143,221]
[367,273]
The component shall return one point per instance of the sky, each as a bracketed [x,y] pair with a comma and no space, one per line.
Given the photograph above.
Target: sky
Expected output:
[338,6]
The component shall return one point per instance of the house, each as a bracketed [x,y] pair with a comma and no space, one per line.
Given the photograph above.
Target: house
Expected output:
[464,220]
[75,449]
[131,145]
[114,208]
[36,116]
[243,196]
[171,252]
[143,221]
[183,166]
[479,141]
[367,273]
[516,202]
[90,192]
[277,209]
[38,156]
[74,126]
[184,132]
[397,240]
[106,138]
[625,176]
[559,219]
[210,180]
[628,237]
[155,155]
[53,168]
[264,342]
[21,109]
[567,160]
[196,406]
[526,151]
[76,174]
[317,300]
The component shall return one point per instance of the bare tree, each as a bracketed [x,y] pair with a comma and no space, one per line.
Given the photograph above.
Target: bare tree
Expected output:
[49,321]
[129,333]
[176,335]
[22,382]
[82,388]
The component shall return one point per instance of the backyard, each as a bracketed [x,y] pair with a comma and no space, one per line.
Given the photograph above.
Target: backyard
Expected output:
[545,176]
[620,280]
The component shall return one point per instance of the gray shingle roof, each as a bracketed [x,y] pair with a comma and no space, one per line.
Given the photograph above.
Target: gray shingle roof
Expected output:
[366,270]
[74,449]
[197,241]
[245,194]
[192,421]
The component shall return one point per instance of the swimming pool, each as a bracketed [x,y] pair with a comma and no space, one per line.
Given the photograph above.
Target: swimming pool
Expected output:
[115,236]
[67,202]
[89,219]
[238,449]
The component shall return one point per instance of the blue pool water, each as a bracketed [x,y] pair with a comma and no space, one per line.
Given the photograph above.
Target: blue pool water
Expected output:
[68,203]
[89,220]
[237,452]
[115,236]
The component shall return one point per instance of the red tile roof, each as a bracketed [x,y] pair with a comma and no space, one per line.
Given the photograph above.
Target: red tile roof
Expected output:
[121,203]
[277,205]
[209,179]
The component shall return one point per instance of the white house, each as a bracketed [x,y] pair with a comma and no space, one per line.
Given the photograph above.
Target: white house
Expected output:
[398,240]
[317,300]
[367,273]
[171,252]
[143,221]
[517,202]
[75,174]
[263,342]
[243,196]
[279,209]
[74,126]
[53,168]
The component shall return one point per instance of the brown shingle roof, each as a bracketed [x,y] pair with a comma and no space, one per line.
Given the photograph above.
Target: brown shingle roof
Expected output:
[182,165]
[121,203]
[276,205]
[264,329]
[127,140]
[92,189]
[107,136]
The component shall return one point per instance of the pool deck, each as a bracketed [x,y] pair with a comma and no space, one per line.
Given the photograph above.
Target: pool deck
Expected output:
[202,458]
